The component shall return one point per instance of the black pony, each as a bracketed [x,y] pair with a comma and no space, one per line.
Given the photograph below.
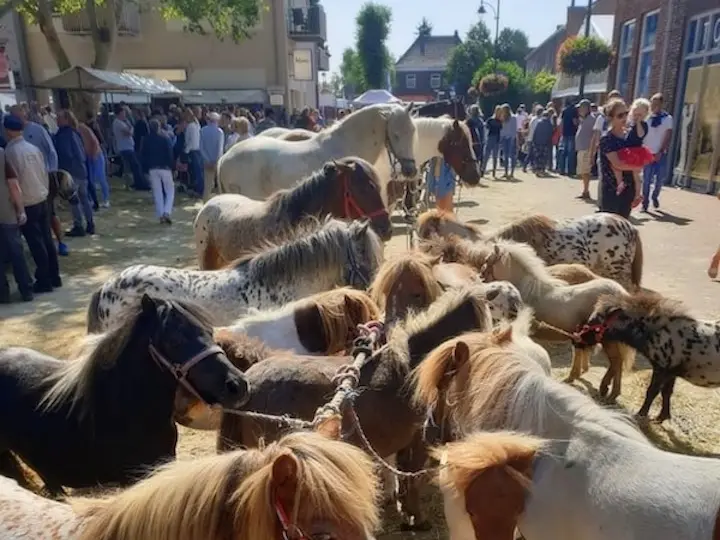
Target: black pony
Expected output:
[107,417]
[455,108]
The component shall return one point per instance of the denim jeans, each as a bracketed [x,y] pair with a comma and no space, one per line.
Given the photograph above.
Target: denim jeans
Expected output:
[11,250]
[197,171]
[509,149]
[42,247]
[492,146]
[81,205]
[655,172]
[97,176]
[131,160]
[567,160]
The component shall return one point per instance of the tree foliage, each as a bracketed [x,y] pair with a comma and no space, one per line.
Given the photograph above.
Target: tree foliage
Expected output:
[373,28]
[351,72]
[513,46]
[466,58]
[578,55]
[542,84]
[424,29]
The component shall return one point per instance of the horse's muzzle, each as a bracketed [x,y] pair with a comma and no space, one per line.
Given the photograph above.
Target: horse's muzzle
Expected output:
[471,174]
[237,392]
[408,168]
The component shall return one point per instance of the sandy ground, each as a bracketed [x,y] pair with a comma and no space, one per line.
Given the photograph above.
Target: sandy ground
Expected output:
[678,242]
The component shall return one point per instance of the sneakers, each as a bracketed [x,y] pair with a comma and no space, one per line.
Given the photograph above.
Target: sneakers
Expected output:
[76,232]
[105,204]
[63,250]
[166,219]
[656,204]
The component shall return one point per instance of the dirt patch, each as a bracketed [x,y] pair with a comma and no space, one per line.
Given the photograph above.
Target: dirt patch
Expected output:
[677,251]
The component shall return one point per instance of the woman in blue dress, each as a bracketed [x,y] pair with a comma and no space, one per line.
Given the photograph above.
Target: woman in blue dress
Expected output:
[612,199]
[441,182]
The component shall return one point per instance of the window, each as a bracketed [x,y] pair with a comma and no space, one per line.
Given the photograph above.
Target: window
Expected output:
[645,56]
[435,80]
[627,40]
[410,80]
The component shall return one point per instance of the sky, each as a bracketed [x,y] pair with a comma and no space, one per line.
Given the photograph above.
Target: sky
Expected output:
[446,16]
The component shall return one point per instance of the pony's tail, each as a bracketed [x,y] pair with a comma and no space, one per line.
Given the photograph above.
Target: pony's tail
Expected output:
[93,316]
[637,264]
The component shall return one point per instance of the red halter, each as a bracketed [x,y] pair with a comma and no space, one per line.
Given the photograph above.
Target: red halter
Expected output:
[352,208]
[599,329]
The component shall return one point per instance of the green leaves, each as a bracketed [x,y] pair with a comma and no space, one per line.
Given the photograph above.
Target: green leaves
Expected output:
[467,57]
[578,55]
[424,29]
[352,72]
[226,19]
[373,28]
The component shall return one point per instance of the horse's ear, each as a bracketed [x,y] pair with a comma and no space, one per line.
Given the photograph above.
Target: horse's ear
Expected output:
[329,167]
[461,354]
[456,124]
[148,304]
[354,308]
[410,106]
[284,478]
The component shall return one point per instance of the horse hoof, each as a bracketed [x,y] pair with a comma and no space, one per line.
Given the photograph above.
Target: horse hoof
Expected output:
[603,391]
[421,526]
[571,378]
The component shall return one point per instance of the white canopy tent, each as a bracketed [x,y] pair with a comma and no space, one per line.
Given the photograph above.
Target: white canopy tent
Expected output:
[98,80]
[375,97]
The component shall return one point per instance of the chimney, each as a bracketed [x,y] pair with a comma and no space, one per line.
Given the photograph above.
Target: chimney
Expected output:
[457,36]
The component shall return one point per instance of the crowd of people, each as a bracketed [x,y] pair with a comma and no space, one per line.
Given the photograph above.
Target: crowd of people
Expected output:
[156,148]
[625,147]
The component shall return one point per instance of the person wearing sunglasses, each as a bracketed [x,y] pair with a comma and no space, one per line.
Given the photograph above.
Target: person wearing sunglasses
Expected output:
[613,198]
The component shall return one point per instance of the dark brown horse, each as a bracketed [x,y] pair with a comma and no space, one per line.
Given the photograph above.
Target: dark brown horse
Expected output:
[284,384]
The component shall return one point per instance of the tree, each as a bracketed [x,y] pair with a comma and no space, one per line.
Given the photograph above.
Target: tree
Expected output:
[351,72]
[466,58]
[513,46]
[518,87]
[373,28]
[224,18]
[424,29]
[541,84]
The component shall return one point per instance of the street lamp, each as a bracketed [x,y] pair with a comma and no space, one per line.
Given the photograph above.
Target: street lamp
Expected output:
[482,10]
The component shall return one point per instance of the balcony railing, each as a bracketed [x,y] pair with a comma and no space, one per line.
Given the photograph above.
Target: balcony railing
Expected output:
[323,60]
[79,23]
[307,23]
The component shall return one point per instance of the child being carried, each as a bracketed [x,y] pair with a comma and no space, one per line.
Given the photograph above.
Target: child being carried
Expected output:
[635,154]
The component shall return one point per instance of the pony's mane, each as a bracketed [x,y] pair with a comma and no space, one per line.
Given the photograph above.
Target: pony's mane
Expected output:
[503,388]
[446,122]
[229,496]
[315,248]
[413,262]
[390,109]
[464,460]
[525,257]
[527,229]
[429,224]
[292,202]
[75,381]
[644,303]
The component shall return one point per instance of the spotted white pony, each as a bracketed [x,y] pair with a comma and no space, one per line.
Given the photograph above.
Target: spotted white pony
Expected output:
[320,258]
[606,243]
[260,166]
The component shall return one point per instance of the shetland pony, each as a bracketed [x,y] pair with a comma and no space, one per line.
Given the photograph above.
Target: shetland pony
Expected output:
[319,258]
[676,343]
[606,243]
[260,166]
[303,484]
[103,418]
[229,225]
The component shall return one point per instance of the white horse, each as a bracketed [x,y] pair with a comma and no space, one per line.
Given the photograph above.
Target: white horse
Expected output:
[335,254]
[286,134]
[597,478]
[259,166]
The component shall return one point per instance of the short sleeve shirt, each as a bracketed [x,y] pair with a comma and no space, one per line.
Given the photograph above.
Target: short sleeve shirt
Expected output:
[610,143]
[568,116]
[123,142]
[656,135]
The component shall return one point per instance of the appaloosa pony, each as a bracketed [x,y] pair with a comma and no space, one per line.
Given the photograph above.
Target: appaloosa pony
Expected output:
[303,486]
[629,489]
[606,243]
[676,343]
[320,258]
[107,416]
[229,225]
[260,166]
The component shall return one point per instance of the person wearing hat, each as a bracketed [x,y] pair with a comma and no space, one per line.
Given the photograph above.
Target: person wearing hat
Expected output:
[212,143]
[583,144]
[29,165]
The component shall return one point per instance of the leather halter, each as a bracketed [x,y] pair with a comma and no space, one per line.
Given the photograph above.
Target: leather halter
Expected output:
[598,329]
[352,208]
[180,372]
[354,270]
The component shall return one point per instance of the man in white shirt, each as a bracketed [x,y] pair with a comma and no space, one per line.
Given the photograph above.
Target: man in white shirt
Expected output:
[659,135]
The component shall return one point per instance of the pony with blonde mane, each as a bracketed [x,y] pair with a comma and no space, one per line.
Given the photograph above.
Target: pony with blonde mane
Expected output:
[230,225]
[260,166]
[606,243]
[321,257]
[302,484]
[556,303]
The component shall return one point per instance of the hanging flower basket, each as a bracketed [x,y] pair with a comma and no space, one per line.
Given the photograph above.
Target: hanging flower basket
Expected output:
[578,55]
[493,84]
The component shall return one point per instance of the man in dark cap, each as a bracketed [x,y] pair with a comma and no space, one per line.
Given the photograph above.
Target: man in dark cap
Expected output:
[28,163]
